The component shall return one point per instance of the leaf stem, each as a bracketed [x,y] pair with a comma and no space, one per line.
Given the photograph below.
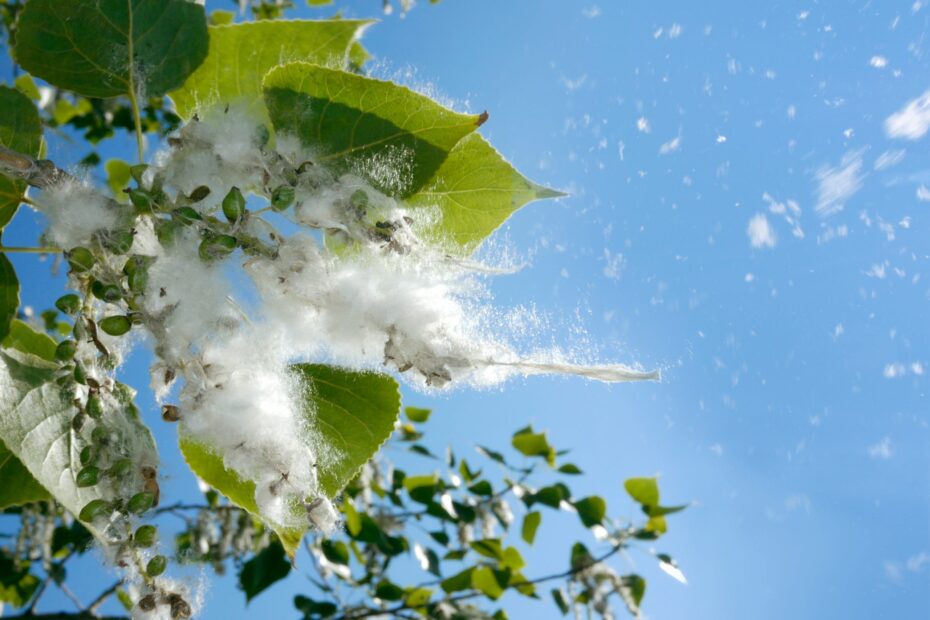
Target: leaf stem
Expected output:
[133,96]
[22,250]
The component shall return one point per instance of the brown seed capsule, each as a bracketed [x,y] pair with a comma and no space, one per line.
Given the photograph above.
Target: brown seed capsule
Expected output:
[170,413]
[151,483]
[147,602]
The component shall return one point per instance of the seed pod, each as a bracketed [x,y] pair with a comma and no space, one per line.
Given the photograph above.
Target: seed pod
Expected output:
[166,230]
[170,413]
[282,197]
[109,293]
[120,468]
[100,436]
[77,422]
[80,259]
[137,272]
[359,200]
[151,483]
[88,476]
[180,609]
[94,406]
[199,194]
[147,602]
[69,304]
[80,375]
[65,350]
[140,502]
[115,325]
[145,536]
[88,455]
[94,509]
[156,566]
[137,171]
[218,246]
[186,216]
[117,241]
[234,205]
[140,200]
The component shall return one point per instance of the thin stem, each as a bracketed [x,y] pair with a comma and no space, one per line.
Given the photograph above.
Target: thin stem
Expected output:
[21,250]
[140,140]
[97,602]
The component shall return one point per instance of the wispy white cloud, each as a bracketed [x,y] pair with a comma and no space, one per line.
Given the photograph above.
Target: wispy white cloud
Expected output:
[760,232]
[912,121]
[837,184]
[882,450]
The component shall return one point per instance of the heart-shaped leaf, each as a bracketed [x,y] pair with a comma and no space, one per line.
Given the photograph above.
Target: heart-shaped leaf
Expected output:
[108,48]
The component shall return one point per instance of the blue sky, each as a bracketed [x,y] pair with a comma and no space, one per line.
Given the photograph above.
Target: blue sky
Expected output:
[742,216]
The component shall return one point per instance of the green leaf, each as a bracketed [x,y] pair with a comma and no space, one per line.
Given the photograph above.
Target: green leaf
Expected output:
[489,548]
[108,48]
[314,609]
[530,524]
[570,469]
[20,131]
[422,488]
[36,425]
[335,551]
[458,582]
[27,86]
[19,487]
[475,190]
[263,570]
[591,510]
[580,558]
[242,54]
[209,467]
[353,412]
[560,601]
[17,584]
[118,177]
[632,589]
[529,443]
[418,597]
[23,338]
[643,490]
[397,139]
[416,414]
[484,580]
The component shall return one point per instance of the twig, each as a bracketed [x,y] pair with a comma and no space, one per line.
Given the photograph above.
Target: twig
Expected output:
[100,600]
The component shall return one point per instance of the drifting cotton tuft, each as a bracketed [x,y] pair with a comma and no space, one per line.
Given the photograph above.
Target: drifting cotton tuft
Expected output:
[75,212]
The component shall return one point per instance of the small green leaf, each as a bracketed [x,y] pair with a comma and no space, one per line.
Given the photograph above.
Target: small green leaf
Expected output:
[20,131]
[314,609]
[242,54]
[23,338]
[632,589]
[591,510]
[418,597]
[416,414]
[222,18]
[643,490]
[387,591]
[560,601]
[263,570]
[581,558]
[476,190]
[351,121]
[111,47]
[27,86]
[17,584]
[570,469]
[489,548]
[118,177]
[354,413]
[530,524]
[335,551]
[484,580]
[458,582]
[529,443]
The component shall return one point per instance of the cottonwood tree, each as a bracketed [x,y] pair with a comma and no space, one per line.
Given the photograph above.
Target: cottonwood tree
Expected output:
[352,207]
